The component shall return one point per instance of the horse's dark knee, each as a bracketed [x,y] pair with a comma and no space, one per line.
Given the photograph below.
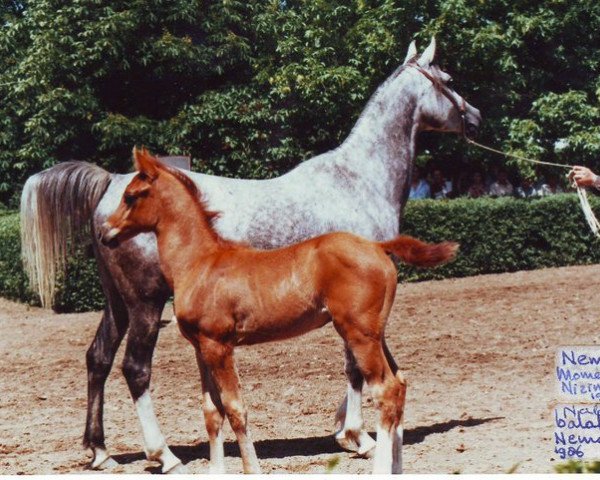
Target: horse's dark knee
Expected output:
[353,373]
[98,362]
[137,374]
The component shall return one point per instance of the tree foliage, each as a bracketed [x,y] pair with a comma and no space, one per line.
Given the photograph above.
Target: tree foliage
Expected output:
[251,88]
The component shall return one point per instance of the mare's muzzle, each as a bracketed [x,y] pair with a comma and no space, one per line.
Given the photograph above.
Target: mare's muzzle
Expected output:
[472,121]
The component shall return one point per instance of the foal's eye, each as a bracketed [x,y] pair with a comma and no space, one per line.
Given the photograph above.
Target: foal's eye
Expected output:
[129,200]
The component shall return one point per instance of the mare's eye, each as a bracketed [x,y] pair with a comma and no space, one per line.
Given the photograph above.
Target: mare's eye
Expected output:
[129,200]
[142,176]
[450,81]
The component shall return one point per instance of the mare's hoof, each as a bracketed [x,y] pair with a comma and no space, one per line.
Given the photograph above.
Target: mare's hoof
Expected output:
[179,469]
[107,463]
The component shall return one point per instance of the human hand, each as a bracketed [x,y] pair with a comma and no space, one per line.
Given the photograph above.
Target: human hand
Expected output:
[583,176]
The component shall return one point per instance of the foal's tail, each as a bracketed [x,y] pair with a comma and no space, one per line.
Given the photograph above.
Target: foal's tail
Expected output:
[420,254]
[56,206]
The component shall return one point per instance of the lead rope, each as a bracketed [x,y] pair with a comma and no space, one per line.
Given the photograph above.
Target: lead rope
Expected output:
[590,218]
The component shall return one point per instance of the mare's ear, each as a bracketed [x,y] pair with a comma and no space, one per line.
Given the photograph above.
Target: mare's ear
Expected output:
[428,55]
[412,53]
[145,163]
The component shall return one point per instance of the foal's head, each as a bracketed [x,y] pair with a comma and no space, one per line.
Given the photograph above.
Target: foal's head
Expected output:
[440,107]
[152,187]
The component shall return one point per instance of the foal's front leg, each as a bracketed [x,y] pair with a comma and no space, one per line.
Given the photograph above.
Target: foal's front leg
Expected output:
[218,359]
[352,434]
[214,413]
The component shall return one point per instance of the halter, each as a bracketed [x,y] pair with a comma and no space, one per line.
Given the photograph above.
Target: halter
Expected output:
[461,108]
[591,219]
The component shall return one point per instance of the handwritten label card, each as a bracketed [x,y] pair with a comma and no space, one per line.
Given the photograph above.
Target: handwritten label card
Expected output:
[577,431]
[578,374]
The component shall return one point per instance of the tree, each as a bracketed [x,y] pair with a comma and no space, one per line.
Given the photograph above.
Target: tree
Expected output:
[250,89]
[532,68]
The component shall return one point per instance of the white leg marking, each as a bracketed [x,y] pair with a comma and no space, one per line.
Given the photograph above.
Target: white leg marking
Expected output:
[102,460]
[383,451]
[217,454]
[155,445]
[397,453]
[354,418]
[217,451]
[352,435]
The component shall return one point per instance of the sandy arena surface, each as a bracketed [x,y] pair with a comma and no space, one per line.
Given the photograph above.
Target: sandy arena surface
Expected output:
[478,354]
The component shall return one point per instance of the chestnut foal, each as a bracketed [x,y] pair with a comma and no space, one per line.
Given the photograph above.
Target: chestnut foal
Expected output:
[229,294]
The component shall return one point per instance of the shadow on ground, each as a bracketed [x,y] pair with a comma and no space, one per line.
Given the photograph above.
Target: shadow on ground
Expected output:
[306,447]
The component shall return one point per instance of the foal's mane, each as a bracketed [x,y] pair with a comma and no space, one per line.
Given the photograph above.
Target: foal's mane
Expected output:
[210,215]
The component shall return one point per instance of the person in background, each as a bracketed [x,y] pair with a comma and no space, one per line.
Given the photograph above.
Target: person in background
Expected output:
[419,188]
[526,189]
[477,188]
[491,175]
[440,188]
[551,187]
[501,187]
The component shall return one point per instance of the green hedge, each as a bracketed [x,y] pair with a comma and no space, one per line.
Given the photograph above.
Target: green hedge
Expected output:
[504,234]
[13,281]
[496,235]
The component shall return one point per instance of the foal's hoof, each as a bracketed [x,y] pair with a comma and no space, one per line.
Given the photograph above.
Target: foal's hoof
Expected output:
[359,442]
[179,469]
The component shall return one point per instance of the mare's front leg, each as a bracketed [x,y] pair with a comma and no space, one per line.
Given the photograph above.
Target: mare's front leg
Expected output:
[218,359]
[352,434]
[137,367]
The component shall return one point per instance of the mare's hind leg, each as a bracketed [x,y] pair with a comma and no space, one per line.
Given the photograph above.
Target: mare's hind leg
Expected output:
[218,359]
[99,359]
[137,366]
[351,434]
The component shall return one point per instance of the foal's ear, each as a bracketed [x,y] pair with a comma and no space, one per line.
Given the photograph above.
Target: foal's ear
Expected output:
[145,163]
[428,55]
[412,52]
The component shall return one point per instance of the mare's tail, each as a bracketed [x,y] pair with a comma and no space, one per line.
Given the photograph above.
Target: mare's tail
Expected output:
[420,254]
[56,205]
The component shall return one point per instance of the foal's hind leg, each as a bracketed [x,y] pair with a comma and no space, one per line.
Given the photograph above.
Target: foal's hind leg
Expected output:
[351,434]
[389,393]
[137,364]
[400,428]
[218,359]
[362,332]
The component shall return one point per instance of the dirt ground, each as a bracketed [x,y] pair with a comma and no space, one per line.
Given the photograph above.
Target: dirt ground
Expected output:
[478,354]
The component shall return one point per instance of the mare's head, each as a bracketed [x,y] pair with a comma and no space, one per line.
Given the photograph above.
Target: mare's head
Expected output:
[139,211]
[439,106]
